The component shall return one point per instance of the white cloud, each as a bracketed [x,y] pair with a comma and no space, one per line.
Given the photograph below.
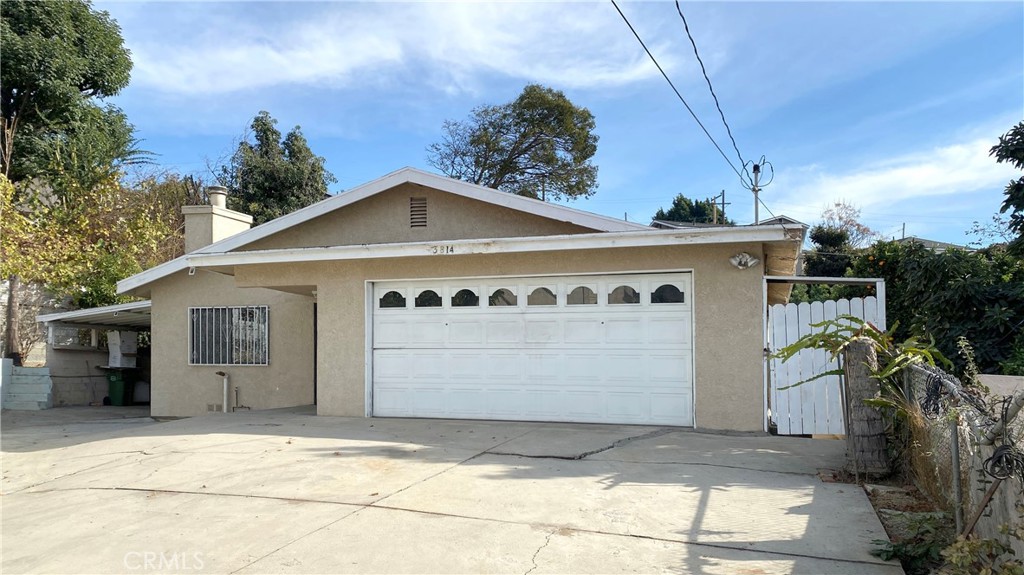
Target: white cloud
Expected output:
[927,183]
[343,44]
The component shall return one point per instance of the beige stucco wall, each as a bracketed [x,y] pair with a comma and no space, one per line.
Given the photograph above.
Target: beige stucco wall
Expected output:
[205,225]
[179,389]
[384,218]
[728,316]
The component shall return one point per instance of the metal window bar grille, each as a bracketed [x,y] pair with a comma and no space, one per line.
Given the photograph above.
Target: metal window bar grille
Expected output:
[229,335]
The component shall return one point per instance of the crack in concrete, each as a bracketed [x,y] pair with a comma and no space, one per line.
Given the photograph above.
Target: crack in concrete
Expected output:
[585,454]
[449,468]
[554,528]
[537,552]
[293,541]
[112,462]
[703,464]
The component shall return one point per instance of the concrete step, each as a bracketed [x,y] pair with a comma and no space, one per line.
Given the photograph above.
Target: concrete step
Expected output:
[19,396]
[32,384]
[26,405]
[30,371]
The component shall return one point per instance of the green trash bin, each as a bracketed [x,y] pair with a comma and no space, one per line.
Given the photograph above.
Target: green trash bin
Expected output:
[120,386]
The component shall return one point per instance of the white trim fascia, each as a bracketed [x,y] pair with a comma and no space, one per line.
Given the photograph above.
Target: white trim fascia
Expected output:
[87,313]
[765,368]
[368,351]
[492,246]
[152,274]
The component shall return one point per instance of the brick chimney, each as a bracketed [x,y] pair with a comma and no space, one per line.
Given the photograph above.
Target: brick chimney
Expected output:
[205,225]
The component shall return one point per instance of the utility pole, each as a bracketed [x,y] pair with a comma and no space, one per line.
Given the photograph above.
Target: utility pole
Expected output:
[757,176]
[715,209]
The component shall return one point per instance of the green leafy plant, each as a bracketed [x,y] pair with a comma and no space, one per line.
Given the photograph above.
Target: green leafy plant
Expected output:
[1014,364]
[984,556]
[947,295]
[922,550]
[905,425]
[836,334]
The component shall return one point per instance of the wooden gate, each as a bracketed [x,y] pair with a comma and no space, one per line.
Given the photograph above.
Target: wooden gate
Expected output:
[815,407]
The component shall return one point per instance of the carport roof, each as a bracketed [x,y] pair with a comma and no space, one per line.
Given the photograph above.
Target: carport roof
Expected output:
[126,315]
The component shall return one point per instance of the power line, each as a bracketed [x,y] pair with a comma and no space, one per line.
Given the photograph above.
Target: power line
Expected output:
[711,88]
[676,90]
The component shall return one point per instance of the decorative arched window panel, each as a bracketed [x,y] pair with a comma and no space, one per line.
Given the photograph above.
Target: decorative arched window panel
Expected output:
[392,299]
[541,296]
[668,293]
[623,295]
[582,295]
[465,298]
[428,298]
[502,297]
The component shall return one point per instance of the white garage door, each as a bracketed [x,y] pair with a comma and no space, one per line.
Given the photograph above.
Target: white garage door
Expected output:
[603,349]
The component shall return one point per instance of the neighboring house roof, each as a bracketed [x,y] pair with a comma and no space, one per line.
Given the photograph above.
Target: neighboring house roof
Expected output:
[934,245]
[131,315]
[778,220]
[670,225]
[609,232]
[784,220]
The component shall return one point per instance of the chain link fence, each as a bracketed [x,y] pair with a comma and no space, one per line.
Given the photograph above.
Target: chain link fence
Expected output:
[966,451]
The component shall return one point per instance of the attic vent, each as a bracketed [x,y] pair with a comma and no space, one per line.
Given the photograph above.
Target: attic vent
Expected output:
[417,212]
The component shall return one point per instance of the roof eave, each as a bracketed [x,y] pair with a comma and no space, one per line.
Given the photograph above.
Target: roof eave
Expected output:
[604,240]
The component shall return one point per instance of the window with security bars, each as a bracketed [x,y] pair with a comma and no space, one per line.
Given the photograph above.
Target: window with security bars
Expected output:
[228,335]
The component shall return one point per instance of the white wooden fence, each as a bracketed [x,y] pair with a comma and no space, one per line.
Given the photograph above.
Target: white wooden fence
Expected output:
[815,407]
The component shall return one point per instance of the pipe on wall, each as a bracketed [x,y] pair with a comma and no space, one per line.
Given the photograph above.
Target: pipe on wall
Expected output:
[224,405]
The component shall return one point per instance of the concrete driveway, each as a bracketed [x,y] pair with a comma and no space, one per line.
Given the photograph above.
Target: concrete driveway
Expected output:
[85,490]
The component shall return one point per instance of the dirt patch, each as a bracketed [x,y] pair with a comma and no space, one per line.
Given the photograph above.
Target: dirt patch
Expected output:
[917,529]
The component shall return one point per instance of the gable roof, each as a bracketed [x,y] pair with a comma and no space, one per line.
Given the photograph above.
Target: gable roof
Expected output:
[934,245]
[414,176]
[405,175]
[784,220]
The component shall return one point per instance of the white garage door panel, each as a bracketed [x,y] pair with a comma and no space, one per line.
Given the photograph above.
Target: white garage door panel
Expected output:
[625,363]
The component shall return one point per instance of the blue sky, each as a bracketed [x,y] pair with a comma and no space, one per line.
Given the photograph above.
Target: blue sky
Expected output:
[891,107]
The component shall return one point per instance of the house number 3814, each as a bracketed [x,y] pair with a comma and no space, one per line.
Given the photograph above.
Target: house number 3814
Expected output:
[442,250]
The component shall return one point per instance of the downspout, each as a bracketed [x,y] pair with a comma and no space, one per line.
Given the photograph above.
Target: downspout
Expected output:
[224,405]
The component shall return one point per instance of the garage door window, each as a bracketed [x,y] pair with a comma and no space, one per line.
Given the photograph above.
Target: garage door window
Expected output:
[228,335]
[541,296]
[392,299]
[623,295]
[465,298]
[667,293]
[503,297]
[582,295]
[428,298]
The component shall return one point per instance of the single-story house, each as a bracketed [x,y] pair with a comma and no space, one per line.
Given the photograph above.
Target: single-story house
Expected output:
[416,295]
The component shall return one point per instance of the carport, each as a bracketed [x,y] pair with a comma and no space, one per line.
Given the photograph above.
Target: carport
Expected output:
[77,356]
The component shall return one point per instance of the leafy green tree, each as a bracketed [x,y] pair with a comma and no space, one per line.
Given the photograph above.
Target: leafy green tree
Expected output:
[685,210]
[538,145]
[830,256]
[56,55]
[272,176]
[1010,150]
[81,249]
[977,295]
